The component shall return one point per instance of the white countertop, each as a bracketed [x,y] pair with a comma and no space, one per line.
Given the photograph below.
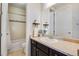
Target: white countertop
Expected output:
[61,45]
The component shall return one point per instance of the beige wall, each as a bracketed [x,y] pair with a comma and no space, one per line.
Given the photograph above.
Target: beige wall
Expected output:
[17,29]
[33,12]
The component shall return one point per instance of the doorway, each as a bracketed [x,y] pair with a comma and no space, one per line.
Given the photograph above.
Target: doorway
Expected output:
[17,29]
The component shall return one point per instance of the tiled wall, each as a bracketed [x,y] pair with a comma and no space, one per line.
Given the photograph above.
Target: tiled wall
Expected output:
[17,23]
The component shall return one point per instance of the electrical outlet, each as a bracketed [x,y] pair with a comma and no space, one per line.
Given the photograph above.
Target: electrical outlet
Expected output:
[69,32]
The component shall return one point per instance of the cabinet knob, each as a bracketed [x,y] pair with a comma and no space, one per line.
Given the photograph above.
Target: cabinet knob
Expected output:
[34,48]
[37,49]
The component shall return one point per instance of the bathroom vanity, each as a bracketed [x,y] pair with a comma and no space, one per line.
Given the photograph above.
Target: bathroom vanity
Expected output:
[52,47]
[38,49]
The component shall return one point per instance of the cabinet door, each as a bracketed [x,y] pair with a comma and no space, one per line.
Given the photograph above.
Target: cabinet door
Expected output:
[53,52]
[41,53]
[33,51]
[43,47]
[33,48]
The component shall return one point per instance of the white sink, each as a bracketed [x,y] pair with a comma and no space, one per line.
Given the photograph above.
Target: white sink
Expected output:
[55,40]
[46,39]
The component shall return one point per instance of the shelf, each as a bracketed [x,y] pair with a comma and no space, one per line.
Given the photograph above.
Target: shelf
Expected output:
[17,21]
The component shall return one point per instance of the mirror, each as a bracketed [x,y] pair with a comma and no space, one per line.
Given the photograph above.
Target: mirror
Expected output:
[63,20]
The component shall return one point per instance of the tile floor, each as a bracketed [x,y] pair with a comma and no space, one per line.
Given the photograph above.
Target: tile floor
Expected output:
[19,52]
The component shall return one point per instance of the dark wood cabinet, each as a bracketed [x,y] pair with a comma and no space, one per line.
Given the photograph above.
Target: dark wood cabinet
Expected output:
[33,51]
[33,48]
[54,52]
[43,48]
[38,49]
[41,53]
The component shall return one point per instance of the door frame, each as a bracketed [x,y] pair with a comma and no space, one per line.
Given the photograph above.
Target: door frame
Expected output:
[0,25]
[4,22]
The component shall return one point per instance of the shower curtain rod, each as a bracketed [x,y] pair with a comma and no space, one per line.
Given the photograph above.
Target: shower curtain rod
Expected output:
[17,14]
[17,21]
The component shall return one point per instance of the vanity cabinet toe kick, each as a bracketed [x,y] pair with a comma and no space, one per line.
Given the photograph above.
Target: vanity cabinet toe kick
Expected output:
[38,49]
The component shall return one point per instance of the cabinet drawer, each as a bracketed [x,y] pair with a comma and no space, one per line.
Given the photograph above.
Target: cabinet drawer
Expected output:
[33,42]
[60,54]
[43,48]
[56,53]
